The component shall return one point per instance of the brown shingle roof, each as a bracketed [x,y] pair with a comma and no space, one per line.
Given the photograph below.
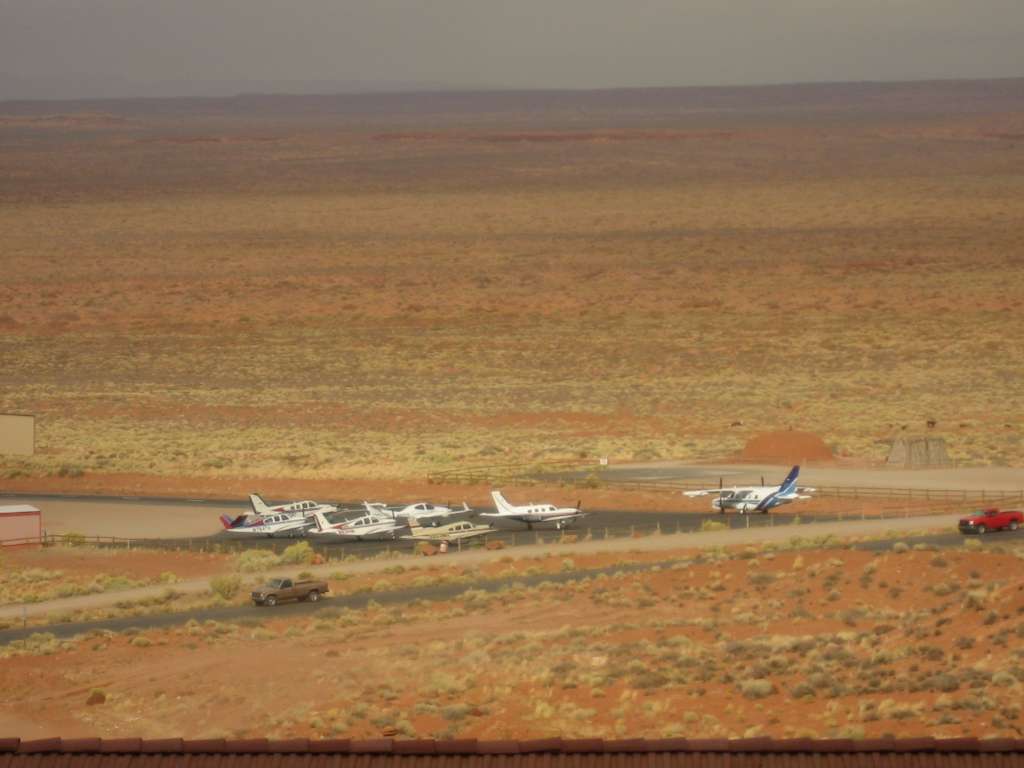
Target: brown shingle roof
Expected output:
[539,753]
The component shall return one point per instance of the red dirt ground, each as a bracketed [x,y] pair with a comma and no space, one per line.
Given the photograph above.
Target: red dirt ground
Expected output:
[661,653]
[788,446]
[137,564]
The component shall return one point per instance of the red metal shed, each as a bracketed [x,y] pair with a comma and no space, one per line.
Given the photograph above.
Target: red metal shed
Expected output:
[20,524]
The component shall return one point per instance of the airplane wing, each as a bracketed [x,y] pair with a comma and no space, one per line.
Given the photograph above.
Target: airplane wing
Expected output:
[795,495]
[710,491]
[547,518]
[462,535]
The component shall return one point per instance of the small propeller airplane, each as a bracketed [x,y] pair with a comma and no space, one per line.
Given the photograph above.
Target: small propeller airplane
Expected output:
[449,532]
[307,508]
[367,526]
[414,511]
[533,513]
[291,523]
[752,498]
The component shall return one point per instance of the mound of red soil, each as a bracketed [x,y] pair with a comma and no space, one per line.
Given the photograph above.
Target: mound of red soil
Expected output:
[788,446]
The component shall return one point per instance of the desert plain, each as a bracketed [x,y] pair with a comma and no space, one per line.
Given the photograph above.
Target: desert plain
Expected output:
[376,287]
[346,293]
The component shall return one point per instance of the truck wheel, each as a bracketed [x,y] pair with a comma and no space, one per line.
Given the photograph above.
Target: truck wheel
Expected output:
[270,600]
[1014,525]
[313,596]
[982,529]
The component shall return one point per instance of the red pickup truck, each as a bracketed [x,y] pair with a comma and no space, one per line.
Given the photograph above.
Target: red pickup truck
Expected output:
[992,519]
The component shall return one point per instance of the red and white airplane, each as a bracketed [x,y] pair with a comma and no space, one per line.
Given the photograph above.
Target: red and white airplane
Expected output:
[273,524]
[367,526]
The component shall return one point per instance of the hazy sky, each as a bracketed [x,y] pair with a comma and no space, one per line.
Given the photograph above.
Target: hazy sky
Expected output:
[85,48]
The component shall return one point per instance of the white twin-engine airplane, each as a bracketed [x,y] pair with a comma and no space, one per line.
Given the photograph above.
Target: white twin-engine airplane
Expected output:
[307,508]
[533,513]
[753,498]
[414,511]
[367,526]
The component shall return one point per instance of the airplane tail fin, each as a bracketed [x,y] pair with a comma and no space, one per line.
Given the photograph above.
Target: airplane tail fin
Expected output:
[503,507]
[378,508]
[789,484]
[229,523]
[466,508]
[225,521]
[321,521]
[258,505]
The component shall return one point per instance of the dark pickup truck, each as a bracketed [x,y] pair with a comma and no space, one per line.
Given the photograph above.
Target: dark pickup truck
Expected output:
[276,590]
[992,519]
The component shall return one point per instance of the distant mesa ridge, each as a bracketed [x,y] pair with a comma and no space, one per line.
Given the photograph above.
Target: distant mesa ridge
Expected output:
[929,96]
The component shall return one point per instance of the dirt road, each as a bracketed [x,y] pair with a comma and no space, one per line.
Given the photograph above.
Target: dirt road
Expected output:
[681,541]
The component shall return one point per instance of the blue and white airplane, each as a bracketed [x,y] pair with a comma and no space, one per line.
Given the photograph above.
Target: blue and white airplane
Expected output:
[754,498]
